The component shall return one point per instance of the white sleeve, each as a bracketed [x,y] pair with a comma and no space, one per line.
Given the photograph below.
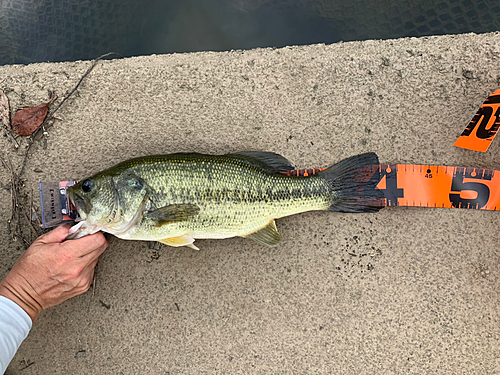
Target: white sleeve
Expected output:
[15,324]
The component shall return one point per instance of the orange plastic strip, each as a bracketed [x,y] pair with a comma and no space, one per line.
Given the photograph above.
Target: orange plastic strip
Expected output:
[439,186]
[483,127]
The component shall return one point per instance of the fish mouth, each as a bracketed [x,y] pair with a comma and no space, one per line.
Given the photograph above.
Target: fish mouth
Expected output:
[81,204]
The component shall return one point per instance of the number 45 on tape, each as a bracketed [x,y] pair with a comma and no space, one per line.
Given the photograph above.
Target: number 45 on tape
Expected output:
[478,135]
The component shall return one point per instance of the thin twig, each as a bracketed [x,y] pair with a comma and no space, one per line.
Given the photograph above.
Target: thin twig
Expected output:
[94,63]
[5,118]
[33,211]
[30,216]
[94,279]
[10,136]
[25,157]
[27,364]
[15,187]
[31,227]
[12,189]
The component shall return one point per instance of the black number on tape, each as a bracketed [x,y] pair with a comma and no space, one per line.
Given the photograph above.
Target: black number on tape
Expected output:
[458,185]
[391,191]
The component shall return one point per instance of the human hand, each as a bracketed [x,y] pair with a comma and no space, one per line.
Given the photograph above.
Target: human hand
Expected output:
[52,271]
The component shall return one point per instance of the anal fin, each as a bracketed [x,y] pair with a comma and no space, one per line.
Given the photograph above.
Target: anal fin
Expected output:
[180,241]
[268,235]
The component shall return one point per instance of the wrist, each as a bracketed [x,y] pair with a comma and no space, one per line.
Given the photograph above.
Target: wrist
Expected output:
[21,297]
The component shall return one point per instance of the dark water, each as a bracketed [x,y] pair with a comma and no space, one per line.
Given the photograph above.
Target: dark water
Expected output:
[60,30]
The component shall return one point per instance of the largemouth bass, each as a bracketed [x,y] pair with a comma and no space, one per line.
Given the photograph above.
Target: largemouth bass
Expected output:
[177,198]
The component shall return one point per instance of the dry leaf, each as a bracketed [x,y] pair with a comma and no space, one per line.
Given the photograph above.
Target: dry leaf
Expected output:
[4,109]
[28,119]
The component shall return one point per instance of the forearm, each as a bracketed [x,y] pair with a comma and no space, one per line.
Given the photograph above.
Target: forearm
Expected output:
[15,325]
[51,271]
[21,295]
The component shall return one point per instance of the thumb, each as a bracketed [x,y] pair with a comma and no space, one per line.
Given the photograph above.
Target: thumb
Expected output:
[56,235]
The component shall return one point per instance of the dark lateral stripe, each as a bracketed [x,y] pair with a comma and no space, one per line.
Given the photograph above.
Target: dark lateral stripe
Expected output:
[303,172]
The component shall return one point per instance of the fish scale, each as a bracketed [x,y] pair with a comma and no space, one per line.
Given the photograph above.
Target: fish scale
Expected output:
[234,199]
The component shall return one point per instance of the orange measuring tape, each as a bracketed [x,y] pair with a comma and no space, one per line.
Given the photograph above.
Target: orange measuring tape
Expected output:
[438,186]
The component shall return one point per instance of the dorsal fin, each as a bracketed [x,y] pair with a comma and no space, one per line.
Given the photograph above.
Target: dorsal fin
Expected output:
[269,161]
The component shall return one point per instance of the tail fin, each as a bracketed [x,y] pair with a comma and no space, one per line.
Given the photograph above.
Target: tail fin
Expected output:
[352,185]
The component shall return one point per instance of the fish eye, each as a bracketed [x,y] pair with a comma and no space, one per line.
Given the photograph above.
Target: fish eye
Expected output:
[87,185]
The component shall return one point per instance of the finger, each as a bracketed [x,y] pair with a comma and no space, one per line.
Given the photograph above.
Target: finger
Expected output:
[86,245]
[92,265]
[93,255]
[88,273]
[56,235]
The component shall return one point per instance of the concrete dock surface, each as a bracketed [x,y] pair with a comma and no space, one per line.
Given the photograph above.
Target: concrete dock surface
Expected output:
[402,291]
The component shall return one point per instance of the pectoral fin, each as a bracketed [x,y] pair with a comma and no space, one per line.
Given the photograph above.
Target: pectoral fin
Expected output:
[173,213]
[180,241]
[268,235]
